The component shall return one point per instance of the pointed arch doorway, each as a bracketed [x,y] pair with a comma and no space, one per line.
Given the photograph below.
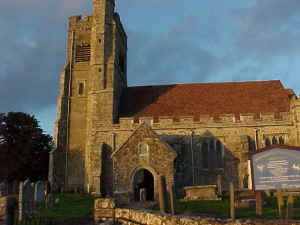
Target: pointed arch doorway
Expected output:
[143,178]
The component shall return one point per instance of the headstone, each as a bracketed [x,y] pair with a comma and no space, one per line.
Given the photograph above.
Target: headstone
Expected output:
[232,210]
[39,193]
[15,187]
[49,201]
[26,195]
[3,189]
[219,184]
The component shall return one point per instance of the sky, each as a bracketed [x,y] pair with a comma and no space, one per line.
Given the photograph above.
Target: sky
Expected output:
[169,41]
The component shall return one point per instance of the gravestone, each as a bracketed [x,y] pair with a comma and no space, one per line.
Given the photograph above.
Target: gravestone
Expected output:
[15,187]
[3,189]
[39,193]
[26,195]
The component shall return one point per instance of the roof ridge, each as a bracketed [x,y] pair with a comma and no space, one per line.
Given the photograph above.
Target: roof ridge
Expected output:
[212,83]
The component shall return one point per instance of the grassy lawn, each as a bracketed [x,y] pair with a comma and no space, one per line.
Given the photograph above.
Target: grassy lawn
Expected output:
[70,207]
[220,209]
[74,206]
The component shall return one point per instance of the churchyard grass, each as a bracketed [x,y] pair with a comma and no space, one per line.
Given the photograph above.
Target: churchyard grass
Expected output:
[221,209]
[69,207]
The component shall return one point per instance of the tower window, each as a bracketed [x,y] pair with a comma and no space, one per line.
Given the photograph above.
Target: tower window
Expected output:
[83,53]
[80,88]
[205,156]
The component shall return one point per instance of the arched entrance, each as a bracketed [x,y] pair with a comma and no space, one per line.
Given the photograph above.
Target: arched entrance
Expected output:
[143,178]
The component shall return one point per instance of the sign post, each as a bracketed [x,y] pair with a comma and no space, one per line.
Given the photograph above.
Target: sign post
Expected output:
[275,168]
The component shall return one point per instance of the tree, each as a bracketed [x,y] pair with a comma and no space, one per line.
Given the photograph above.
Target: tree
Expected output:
[24,148]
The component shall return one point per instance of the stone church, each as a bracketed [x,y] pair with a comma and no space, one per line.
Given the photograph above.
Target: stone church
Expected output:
[110,136]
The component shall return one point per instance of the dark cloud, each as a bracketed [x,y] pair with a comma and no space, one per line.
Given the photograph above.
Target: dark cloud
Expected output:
[269,28]
[30,65]
[169,57]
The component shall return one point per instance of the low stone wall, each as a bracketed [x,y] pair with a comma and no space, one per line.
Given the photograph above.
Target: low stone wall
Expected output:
[105,213]
[139,217]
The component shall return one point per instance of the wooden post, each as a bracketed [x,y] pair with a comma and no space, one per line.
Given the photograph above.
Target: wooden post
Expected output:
[219,184]
[172,200]
[259,201]
[232,210]
[161,193]
[280,202]
[290,207]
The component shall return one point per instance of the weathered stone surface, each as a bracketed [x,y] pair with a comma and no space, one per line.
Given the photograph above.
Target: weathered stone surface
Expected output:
[104,209]
[208,192]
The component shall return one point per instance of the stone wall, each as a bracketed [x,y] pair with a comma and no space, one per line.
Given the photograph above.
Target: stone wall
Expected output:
[143,217]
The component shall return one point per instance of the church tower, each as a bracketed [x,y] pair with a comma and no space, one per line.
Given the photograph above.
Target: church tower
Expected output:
[90,88]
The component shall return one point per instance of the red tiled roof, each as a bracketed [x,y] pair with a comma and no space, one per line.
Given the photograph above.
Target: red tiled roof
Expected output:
[204,98]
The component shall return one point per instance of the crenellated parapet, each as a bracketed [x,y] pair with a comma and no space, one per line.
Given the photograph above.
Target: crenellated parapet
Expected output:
[78,21]
[225,120]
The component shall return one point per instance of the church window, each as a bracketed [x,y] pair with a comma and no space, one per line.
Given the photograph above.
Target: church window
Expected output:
[281,140]
[274,141]
[219,154]
[80,88]
[197,157]
[143,149]
[212,154]
[267,142]
[205,155]
[251,144]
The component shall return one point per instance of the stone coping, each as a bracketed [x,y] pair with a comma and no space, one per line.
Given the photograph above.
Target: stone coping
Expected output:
[200,187]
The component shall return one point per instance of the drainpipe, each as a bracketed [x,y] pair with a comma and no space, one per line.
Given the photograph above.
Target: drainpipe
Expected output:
[68,108]
[192,151]
[256,138]
[113,165]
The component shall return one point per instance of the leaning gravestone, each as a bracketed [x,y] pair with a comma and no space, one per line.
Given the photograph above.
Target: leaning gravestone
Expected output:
[25,200]
[39,193]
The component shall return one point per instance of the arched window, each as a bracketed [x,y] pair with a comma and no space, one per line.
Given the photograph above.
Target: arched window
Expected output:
[212,154]
[274,141]
[143,149]
[197,157]
[205,156]
[267,142]
[219,154]
[281,140]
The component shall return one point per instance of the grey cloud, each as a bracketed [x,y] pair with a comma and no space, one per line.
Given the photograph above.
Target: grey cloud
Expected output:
[30,68]
[269,28]
[170,57]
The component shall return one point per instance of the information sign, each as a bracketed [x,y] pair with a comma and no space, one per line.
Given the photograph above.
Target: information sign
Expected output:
[277,168]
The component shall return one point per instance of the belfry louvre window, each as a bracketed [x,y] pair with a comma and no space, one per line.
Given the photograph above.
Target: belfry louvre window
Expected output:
[83,53]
